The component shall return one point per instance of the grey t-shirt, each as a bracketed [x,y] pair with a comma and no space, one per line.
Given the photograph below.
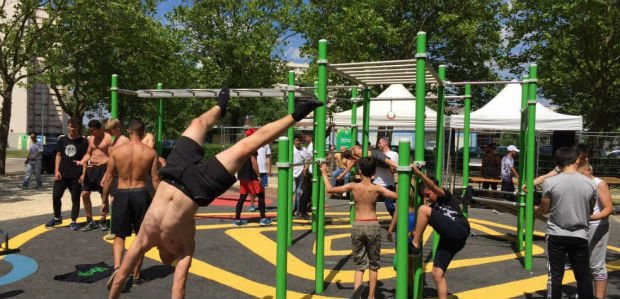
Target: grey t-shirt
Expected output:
[572,198]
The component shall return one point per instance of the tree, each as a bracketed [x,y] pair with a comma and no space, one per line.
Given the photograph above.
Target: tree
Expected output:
[101,38]
[235,43]
[464,36]
[27,29]
[576,45]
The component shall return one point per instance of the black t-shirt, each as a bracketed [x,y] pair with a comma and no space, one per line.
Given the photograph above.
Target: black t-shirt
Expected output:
[71,150]
[246,172]
[449,207]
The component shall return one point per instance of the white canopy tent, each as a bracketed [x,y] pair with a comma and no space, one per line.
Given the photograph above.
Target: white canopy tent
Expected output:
[404,111]
[503,112]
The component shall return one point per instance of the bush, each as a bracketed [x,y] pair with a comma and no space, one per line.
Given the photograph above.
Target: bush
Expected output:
[211,149]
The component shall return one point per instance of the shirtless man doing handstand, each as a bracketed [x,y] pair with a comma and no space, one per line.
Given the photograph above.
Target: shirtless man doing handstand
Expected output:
[189,183]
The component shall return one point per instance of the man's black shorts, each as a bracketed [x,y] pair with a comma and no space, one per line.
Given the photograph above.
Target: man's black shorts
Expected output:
[129,207]
[93,177]
[202,182]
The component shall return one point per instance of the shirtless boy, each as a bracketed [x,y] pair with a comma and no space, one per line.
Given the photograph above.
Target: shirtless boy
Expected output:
[94,163]
[188,183]
[131,162]
[366,231]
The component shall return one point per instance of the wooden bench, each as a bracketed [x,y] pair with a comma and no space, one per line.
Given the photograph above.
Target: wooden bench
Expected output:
[480,180]
[612,182]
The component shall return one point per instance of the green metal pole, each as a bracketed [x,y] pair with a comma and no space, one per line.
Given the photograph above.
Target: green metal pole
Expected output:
[530,167]
[402,242]
[522,145]
[283,203]
[315,187]
[291,137]
[466,142]
[320,147]
[440,141]
[420,93]
[160,122]
[114,97]
[366,124]
[354,100]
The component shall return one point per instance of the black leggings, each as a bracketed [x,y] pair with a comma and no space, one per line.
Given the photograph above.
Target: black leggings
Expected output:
[75,188]
[261,205]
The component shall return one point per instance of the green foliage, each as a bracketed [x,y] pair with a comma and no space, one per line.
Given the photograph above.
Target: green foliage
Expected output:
[232,42]
[465,37]
[577,48]
[101,38]
[27,30]
[212,149]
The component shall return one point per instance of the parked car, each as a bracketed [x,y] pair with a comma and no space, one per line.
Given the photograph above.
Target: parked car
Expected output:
[49,154]
[615,154]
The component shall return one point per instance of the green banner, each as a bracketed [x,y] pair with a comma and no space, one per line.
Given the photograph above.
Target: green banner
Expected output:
[343,138]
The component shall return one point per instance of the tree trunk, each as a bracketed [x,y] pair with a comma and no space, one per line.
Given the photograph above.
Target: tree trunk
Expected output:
[7,97]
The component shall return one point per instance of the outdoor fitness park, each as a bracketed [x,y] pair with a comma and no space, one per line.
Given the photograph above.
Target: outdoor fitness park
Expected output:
[281,246]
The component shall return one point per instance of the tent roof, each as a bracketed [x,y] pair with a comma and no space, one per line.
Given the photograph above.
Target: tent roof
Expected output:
[404,110]
[503,112]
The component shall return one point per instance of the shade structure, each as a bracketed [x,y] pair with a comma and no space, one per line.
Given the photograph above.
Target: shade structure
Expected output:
[503,112]
[404,110]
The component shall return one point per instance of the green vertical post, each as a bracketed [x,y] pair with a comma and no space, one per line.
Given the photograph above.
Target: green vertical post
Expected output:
[291,138]
[466,142]
[320,147]
[420,93]
[440,140]
[531,165]
[315,188]
[160,121]
[354,100]
[366,122]
[521,194]
[114,97]
[402,234]
[283,204]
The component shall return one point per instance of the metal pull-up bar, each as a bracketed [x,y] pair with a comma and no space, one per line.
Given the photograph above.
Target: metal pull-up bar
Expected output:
[482,82]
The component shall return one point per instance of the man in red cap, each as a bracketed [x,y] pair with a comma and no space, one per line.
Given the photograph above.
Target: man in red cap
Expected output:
[248,176]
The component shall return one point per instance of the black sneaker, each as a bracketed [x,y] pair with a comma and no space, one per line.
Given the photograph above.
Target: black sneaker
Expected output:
[74,226]
[53,222]
[90,226]
[137,281]
[103,225]
[413,251]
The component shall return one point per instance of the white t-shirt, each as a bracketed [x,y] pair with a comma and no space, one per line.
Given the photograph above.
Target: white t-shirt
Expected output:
[263,152]
[299,156]
[309,149]
[507,164]
[384,175]
[597,206]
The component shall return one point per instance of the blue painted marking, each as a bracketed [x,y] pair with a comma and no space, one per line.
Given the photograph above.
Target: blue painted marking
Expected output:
[22,267]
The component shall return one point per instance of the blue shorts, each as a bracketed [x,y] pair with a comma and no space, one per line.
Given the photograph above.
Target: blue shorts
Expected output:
[264,179]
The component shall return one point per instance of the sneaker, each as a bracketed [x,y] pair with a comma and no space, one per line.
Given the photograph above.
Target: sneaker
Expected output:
[23,187]
[414,251]
[239,222]
[137,281]
[265,222]
[90,226]
[53,222]
[74,226]
[103,225]
[252,208]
